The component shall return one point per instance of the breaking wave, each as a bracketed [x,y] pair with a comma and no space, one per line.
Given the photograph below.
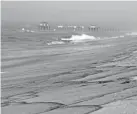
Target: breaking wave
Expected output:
[79,38]
[86,38]
[74,39]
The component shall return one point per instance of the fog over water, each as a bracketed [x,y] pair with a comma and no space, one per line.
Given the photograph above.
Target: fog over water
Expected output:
[121,14]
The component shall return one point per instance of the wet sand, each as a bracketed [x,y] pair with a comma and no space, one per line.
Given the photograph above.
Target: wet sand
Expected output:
[78,79]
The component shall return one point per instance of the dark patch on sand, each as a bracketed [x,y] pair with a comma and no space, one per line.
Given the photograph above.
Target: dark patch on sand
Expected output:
[107,81]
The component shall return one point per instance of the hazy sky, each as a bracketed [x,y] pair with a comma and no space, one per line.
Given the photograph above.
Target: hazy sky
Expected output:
[71,12]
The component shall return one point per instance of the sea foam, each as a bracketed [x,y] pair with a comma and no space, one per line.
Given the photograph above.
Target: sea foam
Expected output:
[55,42]
[132,34]
[79,38]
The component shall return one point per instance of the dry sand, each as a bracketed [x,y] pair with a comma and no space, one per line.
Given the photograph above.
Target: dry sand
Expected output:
[77,79]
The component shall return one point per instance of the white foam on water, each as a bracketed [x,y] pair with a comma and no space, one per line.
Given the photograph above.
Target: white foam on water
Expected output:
[134,51]
[79,38]
[121,36]
[131,34]
[2,72]
[134,78]
[55,42]
[114,37]
[75,39]
[32,31]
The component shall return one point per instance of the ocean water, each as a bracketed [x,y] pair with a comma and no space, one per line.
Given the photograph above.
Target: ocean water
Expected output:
[14,37]
[17,43]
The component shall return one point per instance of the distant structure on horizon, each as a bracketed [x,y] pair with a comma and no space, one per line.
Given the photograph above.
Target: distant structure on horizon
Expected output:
[94,28]
[44,26]
[70,27]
